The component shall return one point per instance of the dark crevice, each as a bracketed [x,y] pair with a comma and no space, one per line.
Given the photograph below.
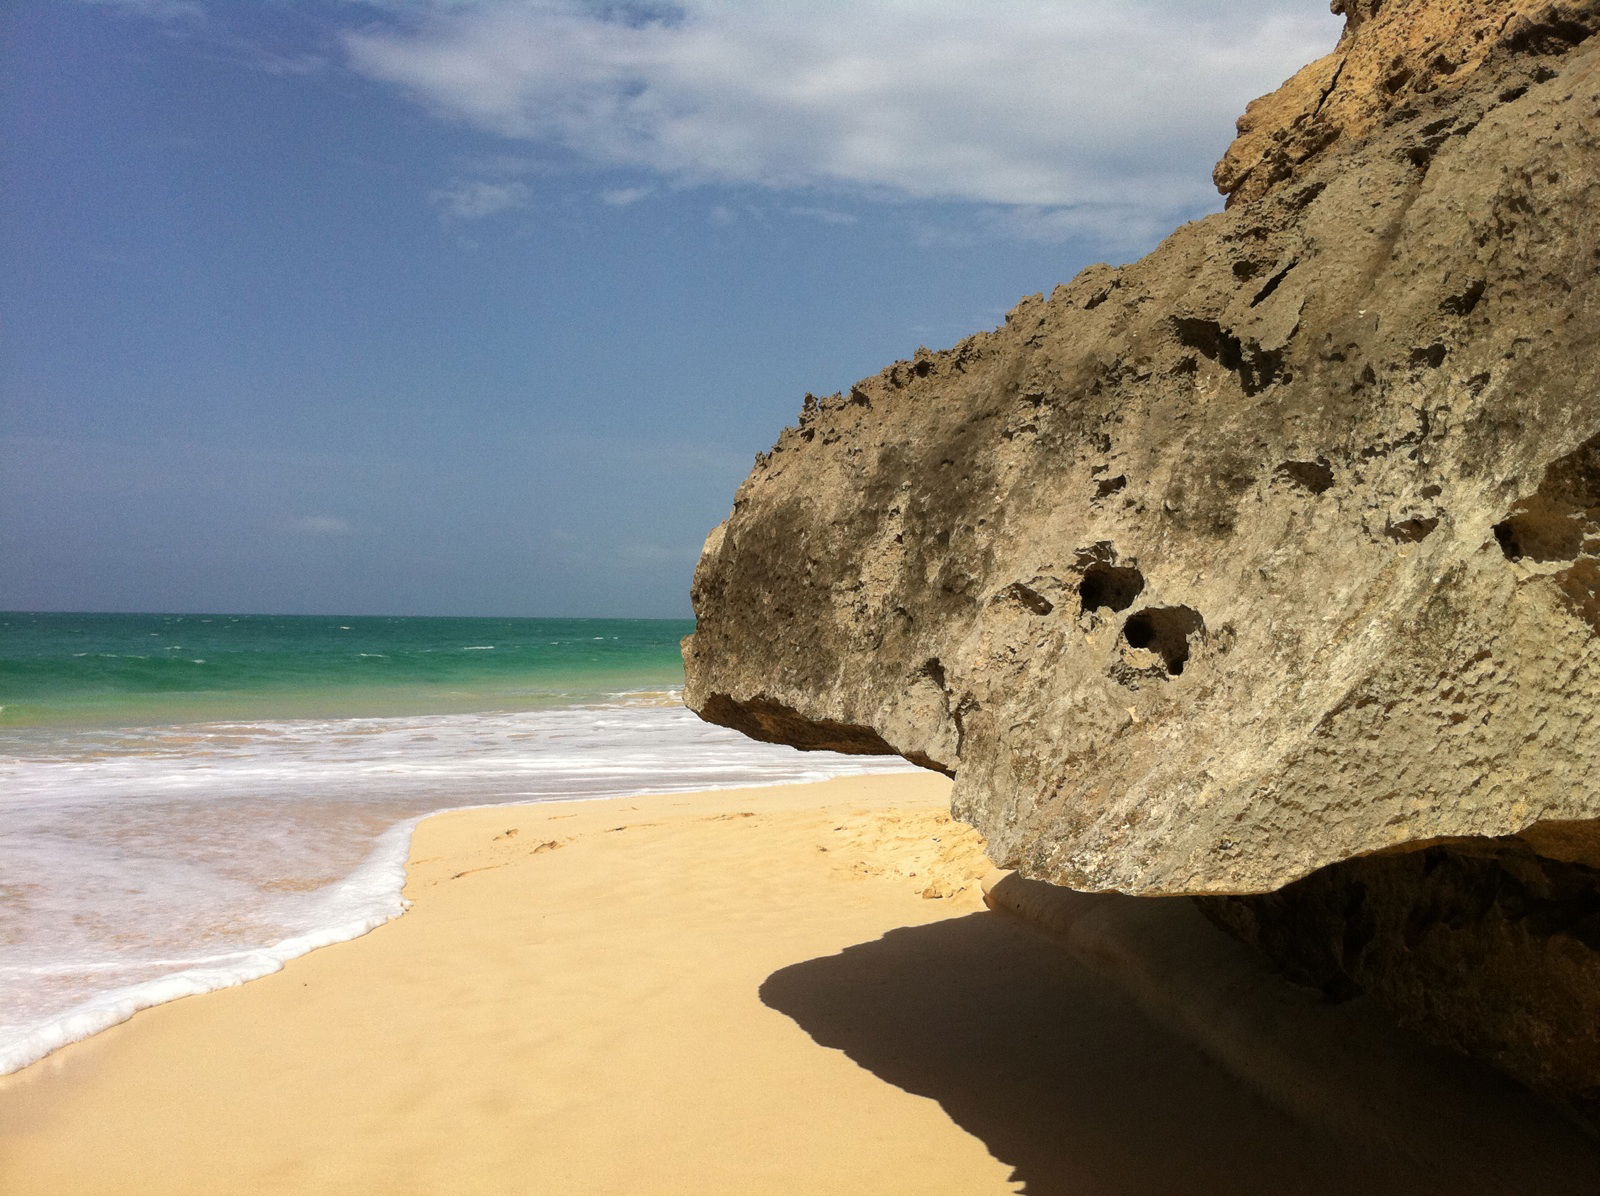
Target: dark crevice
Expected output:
[1431,356]
[1559,519]
[1463,303]
[1210,339]
[1273,283]
[1257,368]
[1110,587]
[1553,34]
[1166,631]
[1314,476]
[1111,486]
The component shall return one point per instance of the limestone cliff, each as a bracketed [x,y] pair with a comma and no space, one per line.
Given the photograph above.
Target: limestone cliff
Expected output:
[1275,549]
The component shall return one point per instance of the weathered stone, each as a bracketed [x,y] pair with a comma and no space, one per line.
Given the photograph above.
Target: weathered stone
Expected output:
[1487,946]
[1277,548]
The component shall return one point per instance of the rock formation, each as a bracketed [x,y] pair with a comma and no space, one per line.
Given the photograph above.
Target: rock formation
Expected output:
[1268,560]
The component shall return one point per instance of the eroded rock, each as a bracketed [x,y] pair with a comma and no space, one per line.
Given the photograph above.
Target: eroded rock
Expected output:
[1275,549]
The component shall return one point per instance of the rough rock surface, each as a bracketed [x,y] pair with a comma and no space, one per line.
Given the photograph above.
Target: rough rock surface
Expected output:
[1277,548]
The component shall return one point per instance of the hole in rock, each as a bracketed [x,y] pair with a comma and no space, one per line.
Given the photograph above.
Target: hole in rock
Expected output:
[1110,587]
[1315,476]
[1431,356]
[1542,535]
[1464,303]
[1560,520]
[1211,339]
[1110,486]
[1257,368]
[1164,630]
[1506,534]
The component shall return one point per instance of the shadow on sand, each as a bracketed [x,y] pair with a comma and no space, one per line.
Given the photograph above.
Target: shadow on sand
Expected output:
[1057,1072]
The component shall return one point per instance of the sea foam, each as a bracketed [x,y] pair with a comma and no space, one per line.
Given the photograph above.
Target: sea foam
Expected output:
[149,864]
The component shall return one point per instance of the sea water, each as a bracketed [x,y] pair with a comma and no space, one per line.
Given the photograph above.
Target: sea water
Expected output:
[187,801]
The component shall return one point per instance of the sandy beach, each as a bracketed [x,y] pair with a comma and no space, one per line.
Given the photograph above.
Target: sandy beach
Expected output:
[791,989]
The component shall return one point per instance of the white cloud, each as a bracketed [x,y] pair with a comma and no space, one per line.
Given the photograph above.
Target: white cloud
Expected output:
[1117,228]
[1099,109]
[821,215]
[289,64]
[474,199]
[622,197]
[323,525]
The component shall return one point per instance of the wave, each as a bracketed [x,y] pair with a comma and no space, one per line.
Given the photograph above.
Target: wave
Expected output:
[152,863]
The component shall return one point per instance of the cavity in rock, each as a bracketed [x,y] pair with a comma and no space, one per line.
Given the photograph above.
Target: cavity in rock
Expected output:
[1164,630]
[1314,476]
[1110,587]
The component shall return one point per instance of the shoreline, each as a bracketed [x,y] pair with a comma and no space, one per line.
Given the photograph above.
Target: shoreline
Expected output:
[776,989]
[83,1022]
[81,1118]
[316,853]
[389,859]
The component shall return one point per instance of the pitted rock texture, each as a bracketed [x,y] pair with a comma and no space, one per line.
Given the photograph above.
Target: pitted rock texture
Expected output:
[1277,547]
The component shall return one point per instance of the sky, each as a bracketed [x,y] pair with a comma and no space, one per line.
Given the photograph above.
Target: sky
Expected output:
[485,308]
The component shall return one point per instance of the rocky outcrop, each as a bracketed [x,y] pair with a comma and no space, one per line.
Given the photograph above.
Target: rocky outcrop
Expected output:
[1393,55]
[1276,549]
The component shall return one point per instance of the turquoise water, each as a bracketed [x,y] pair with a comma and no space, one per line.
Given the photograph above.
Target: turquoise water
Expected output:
[187,801]
[122,669]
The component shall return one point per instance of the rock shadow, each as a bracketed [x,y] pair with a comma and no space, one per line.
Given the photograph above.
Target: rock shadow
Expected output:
[1056,1072]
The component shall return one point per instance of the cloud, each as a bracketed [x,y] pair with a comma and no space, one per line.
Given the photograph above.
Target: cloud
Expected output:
[475,199]
[1126,228]
[1093,108]
[322,525]
[289,64]
[821,215]
[622,197]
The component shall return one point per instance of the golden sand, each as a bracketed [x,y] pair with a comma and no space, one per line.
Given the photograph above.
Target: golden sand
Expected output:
[779,990]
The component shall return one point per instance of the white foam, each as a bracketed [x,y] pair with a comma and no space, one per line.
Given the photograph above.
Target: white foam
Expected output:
[383,875]
[149,864]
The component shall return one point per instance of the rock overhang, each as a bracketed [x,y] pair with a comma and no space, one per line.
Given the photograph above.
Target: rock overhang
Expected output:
[1209,571]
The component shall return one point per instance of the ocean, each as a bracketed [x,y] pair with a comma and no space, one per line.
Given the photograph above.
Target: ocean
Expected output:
[188,801]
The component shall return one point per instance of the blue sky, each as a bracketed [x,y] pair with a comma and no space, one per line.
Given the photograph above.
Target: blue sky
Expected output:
[485,308]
